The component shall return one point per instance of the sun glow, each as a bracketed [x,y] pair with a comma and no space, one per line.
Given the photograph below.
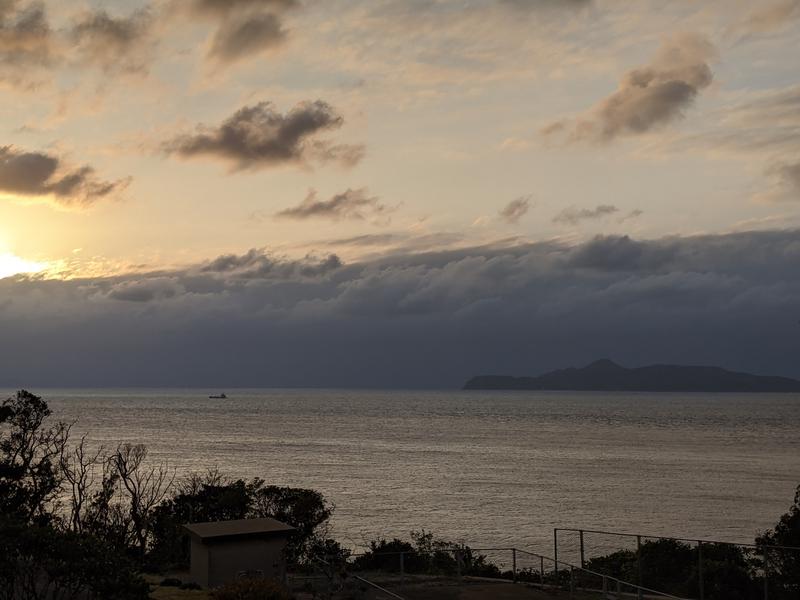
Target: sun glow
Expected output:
[14,265]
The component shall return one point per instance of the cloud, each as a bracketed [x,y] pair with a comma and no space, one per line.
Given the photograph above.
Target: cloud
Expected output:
[767,122]
[647,97]
[40,175]
[762,128]
[574,215]
[244,28]
[634,214]
[516,209]
[353,205]
[258,136]
[413,320]
[114,43]
[770,17]
[223,8]
[241,37]
[148,290]
[27,44]
[25,35]
[257,264]
[784,179]
[547,4]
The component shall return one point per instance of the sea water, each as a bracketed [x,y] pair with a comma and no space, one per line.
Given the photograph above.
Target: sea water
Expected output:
[486,468]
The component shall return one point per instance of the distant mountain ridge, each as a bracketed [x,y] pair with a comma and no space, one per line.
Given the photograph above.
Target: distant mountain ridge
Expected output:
[607,376]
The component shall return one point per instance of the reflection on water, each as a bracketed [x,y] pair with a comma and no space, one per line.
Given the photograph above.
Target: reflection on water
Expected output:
[487,468]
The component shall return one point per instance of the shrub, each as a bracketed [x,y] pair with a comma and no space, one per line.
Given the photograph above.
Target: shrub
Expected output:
[425,555]
[41,562]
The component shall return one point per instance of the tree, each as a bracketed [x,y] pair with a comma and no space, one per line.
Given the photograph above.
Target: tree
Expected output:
[79,470]
[783,566]
[146,487]
[42,563]
[30,478]
[212,497]
[306,510]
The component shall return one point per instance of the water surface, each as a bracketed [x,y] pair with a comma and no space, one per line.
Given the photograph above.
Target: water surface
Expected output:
[487,468]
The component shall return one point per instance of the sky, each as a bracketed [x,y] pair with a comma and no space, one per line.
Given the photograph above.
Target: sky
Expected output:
[395,193]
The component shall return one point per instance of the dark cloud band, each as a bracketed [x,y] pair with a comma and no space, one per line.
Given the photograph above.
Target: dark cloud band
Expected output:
[413,319]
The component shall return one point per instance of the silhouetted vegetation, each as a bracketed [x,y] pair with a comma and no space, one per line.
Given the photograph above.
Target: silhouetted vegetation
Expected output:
[213,497]
[783,565]
[729,572]
[673,566]
[424,554]
[44,552]
[82,522]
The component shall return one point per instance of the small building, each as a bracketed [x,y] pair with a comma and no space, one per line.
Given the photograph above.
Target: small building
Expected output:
[225,551]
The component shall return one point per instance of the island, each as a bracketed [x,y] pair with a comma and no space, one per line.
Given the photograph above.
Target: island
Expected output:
[607,376]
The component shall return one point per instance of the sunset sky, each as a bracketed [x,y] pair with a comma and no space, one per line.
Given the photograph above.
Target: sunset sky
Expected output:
[288,192]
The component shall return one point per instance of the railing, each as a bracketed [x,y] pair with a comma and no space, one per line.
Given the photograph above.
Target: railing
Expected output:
[762,557]
[327,581]
[524,566]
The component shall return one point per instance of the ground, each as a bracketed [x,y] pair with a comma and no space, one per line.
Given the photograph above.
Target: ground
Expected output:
[419,588]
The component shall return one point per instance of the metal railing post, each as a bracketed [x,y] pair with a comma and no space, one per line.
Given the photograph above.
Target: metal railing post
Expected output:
[571,582]
[605,586]
[700,577]
[583,558]
[541,569]
[555,552]
[514,563]
[402,568]
[619,590]
[639,566]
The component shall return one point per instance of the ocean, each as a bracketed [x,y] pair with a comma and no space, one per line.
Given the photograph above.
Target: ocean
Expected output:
[486,468]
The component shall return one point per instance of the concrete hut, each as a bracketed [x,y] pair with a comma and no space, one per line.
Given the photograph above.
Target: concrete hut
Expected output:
[224,551]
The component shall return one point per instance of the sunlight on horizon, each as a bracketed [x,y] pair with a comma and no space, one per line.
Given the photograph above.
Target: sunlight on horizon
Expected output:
[11,264]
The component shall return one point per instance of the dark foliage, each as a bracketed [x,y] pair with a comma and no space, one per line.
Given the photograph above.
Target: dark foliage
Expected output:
[673,567]
[38,562]
[40,557]
[783,566]
[425,554]
[29,451]
[218,500]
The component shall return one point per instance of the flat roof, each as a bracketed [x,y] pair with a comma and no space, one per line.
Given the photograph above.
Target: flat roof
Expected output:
[241,527]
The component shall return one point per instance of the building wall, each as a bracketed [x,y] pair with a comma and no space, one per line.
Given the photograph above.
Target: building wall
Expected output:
[199,559]
[226,560]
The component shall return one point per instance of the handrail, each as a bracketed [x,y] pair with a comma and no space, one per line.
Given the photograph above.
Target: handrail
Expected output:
[362,580]
[604,576]
[677,539]
[570,566]
[377,587]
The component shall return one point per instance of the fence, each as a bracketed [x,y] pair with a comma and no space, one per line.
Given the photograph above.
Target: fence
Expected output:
[393,571]
[697,568]
[585,564]
[327,580]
